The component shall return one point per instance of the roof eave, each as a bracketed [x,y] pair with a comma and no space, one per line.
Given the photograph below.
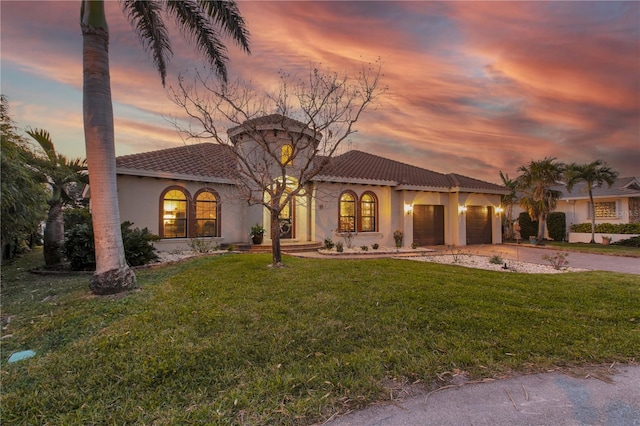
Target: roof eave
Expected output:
[355,181]
[168,175]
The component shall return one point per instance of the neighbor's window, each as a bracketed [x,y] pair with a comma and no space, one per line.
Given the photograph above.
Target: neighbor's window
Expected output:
[368,212]
[347,220]
[287,152]
[174,215]
[206,215]
[605,209]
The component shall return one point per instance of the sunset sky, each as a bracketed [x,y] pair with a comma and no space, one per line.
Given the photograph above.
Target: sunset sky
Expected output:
[474,87]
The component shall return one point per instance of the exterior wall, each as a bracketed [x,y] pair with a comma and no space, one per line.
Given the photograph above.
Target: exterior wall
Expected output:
[325,221]
[577,211]
[139,202]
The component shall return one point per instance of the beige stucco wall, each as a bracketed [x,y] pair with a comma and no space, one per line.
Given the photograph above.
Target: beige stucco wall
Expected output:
[139,202]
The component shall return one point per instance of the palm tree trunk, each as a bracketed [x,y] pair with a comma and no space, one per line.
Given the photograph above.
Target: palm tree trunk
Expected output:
[54,236]
[593,218]
[112,274]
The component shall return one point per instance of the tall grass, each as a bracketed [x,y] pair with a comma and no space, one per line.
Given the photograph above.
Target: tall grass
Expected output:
[227,340]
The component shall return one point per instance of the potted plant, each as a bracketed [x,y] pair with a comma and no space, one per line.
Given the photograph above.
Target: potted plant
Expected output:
[606,240]
[257,233]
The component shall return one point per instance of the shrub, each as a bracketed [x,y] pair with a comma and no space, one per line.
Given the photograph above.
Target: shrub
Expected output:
[364,248]
[328,244]
[200,245]
[398,236]
[528,227]
[496,260]
[558,261]
[79,246]
[629,242]
[375,246]
[414,245]
[339,247]
[73,217]
[557,224]
[608,228]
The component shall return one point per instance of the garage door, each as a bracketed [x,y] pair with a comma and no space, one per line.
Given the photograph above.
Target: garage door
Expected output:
[479,224]
[428,225]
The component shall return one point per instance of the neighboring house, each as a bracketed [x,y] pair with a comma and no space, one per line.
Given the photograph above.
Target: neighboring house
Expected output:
[619,203]
[190,192]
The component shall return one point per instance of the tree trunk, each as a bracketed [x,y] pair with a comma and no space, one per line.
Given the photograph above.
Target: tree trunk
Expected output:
[593,218]
[112,274]
[276,251]
[542,220]
[54,236]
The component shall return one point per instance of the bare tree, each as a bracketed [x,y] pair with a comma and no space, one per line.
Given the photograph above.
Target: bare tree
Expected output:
[282,138]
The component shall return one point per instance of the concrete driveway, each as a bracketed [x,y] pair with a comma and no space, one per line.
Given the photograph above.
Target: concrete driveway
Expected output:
[605,396]
[527,253]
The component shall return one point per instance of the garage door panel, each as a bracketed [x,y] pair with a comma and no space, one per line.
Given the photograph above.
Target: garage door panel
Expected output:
[428,225]
[479,229]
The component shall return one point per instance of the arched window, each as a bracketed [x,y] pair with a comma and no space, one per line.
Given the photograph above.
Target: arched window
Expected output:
[206,214]
[174,214]
[286,153]
[347,212]
[368,212]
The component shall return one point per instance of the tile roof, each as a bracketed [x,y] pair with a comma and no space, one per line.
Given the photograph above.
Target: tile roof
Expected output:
[362,166]
[212,162]
[622,187]
[205,160]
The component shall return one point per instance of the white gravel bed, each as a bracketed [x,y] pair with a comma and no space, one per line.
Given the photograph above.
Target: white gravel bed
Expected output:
[483,262]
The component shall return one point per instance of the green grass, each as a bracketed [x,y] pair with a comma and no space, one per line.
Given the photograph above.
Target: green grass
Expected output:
[227,340]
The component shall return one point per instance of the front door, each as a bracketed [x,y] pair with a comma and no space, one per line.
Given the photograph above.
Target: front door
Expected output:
[479,224]
[286,221]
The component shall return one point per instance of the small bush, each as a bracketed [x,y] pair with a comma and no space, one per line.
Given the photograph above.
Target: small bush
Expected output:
[398,236]
[375,246]
[414,245]
[629,242]
[364,248]
[496,260]
[80,250]
[339,247]
[558,261]
[557,224]
[73,217]
[200,245]
[328,244]
[528,227]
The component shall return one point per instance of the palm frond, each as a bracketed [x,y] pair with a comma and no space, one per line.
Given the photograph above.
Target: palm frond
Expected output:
[145,16]
[44,140]
[197,27]
[227,16]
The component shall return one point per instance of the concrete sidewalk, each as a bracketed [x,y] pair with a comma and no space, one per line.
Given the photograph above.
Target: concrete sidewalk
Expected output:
[603,396]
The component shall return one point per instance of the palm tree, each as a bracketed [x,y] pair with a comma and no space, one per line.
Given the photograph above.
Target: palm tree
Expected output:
[61,174]
[592,174]
[539,198]
[508,201]
[199,20]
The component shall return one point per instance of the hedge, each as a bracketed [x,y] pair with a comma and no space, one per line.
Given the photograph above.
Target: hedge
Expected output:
[608,228]
[557,224]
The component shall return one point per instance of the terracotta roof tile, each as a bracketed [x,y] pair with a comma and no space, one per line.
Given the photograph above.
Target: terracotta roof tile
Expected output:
[213,161]
[207,160]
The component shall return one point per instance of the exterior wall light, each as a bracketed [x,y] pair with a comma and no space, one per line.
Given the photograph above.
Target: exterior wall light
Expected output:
[408,209]
[499,210]
[462,209]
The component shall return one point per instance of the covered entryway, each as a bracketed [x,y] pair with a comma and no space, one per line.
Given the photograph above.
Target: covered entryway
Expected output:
[479,224]
[428,225]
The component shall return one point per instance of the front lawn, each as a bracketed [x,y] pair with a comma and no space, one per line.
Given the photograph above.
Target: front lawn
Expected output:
[227,340]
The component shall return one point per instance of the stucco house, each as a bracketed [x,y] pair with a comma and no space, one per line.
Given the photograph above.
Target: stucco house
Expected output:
[616,204]
[191,191]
